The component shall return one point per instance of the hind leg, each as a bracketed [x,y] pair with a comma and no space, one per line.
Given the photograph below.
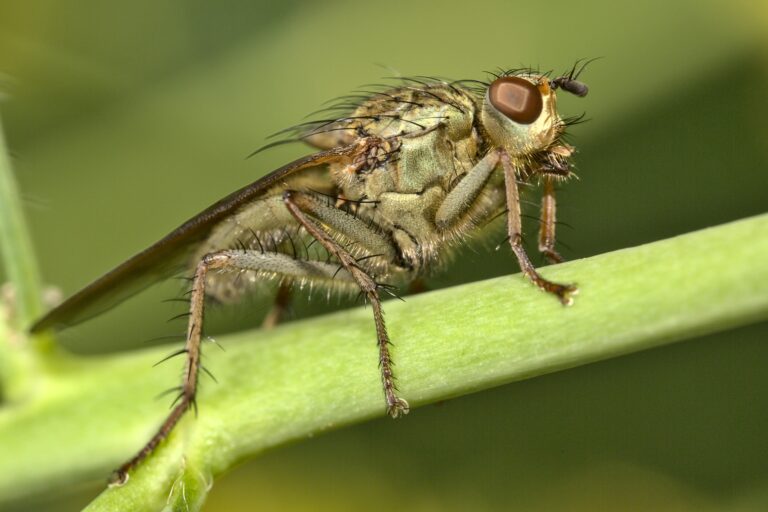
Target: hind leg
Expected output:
[271,263]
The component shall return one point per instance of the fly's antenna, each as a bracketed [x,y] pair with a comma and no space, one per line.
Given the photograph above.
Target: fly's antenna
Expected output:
[569,82]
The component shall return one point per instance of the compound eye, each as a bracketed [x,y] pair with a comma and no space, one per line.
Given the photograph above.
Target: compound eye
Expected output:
[516,98]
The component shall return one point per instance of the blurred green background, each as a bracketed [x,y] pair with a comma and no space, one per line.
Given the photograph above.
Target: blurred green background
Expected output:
[126,118]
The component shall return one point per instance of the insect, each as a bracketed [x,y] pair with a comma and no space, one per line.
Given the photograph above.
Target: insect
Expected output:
[408,174]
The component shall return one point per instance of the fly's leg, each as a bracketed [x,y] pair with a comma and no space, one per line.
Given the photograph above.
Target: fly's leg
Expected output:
[514,230]
[548,220]
[189,381]
[271,263]
[279,308]
[304,207]
[466,191]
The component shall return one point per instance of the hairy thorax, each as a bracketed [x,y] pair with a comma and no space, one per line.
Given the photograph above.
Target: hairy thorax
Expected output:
[429,142]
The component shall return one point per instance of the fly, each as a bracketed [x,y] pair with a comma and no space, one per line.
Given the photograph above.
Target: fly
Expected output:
[409,173]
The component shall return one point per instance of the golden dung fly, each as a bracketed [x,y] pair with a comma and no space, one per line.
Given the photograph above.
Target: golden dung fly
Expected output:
[410,172]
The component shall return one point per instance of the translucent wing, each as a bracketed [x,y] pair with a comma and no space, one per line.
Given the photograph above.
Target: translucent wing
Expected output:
[170,255]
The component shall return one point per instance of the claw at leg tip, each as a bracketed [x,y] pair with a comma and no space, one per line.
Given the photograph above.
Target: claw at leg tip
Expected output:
[398,409]
[567,297]
[118,479]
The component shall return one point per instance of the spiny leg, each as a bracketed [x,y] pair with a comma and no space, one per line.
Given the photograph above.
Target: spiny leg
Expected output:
[272,263]
[514,230]
[547,222]
[351,227]
[297,203]
[189,383]
[467,191]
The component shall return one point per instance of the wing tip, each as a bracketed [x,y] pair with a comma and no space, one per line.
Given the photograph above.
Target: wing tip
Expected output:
[46,322]
[40,326]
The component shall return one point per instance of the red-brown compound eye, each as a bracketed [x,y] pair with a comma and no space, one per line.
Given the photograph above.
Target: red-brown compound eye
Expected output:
[516,98]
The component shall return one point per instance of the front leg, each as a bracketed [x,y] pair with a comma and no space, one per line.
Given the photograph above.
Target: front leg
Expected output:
[301,205]
[466,191]
[514,230]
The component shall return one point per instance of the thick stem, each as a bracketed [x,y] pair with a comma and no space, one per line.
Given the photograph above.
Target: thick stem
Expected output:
[287,383]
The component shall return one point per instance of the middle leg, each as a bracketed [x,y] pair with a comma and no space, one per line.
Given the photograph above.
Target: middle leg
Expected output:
[301,206]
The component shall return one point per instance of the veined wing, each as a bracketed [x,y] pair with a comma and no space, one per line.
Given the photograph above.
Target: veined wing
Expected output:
[170,255]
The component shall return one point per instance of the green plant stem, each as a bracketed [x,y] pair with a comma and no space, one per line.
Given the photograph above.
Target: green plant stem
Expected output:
[16,247]
[310,376]
[19,359]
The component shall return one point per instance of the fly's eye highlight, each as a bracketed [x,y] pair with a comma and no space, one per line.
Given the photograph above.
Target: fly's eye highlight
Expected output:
[516,98]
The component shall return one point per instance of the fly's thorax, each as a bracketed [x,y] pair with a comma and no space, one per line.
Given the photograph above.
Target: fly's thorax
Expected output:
[519,114]
[411,163]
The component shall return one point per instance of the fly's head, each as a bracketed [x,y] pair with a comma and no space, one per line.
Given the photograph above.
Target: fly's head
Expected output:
[519,112]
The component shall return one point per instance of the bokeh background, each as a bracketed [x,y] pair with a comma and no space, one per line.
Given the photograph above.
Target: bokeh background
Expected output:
[126,118]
